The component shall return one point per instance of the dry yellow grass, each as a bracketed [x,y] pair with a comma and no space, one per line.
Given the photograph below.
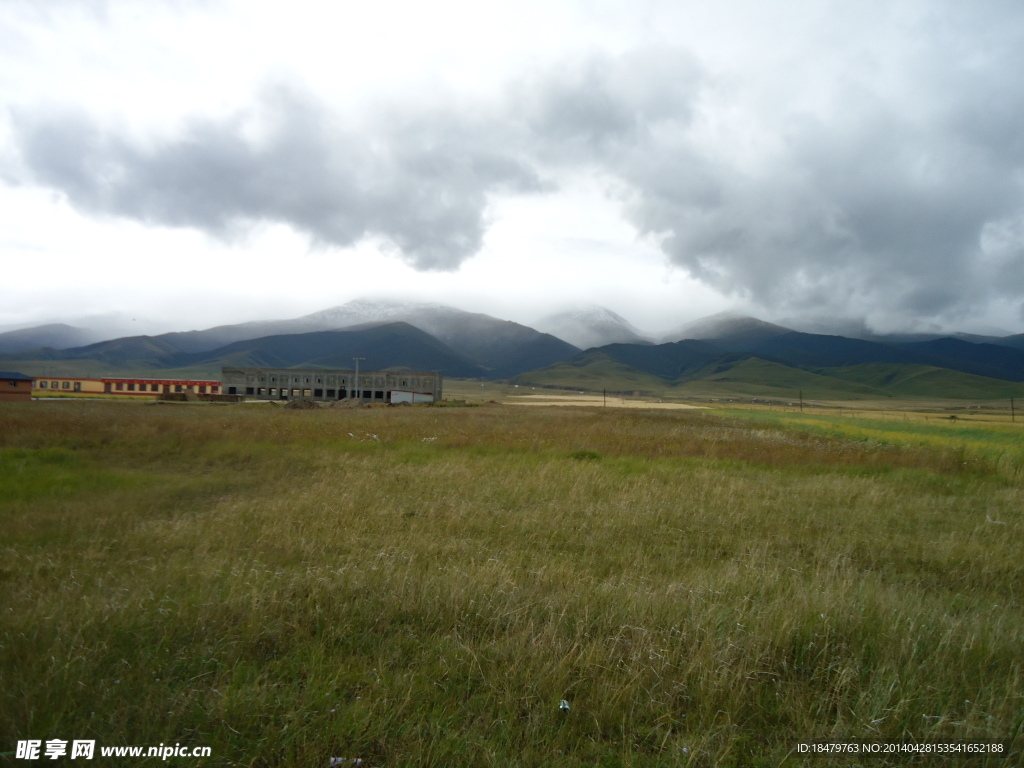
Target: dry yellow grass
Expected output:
[595,400]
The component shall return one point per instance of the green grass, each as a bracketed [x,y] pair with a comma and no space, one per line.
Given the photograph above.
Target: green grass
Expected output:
[423,586]
[994,448]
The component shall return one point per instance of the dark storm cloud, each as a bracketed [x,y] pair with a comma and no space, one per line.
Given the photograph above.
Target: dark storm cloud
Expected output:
[905,205]
[879,210]
[903,199]
[422,184]
[900,195]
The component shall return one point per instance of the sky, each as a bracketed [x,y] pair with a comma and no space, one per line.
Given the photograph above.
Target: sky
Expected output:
[180,164]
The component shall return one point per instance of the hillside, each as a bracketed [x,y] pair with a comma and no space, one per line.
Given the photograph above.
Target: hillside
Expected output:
[728,330]
[699,368]
[454,342]
[927,381]
[381,346]
[593,371]
[52,335]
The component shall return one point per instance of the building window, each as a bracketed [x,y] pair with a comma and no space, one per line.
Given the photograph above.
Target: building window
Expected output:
[202,389]
[42,384]
[65,385]
[177,388]
[131,386]
[214,389]
[120,386]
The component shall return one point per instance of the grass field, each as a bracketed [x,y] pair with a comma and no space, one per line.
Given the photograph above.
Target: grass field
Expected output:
[424,586]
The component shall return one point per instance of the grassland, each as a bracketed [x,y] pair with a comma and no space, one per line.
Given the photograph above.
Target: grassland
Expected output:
[423,586]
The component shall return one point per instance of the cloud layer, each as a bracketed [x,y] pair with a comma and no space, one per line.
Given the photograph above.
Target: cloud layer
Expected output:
[421,183]
[885,180]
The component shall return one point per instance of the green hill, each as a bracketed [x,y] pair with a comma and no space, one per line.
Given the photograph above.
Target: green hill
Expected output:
[763,378]
[926,381]
[753,377]
[594,370]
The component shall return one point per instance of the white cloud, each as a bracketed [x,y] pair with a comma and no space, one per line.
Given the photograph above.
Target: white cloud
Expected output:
[815,157]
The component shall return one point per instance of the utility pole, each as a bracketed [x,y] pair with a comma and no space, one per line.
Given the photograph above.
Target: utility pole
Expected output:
[801,401]
[358,392]
[604,394]
[1013,415]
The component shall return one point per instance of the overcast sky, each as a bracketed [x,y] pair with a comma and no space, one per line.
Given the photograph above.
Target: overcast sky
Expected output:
[193,162]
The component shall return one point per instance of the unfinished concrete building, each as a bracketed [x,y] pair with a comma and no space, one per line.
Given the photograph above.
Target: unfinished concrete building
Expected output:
[332,384]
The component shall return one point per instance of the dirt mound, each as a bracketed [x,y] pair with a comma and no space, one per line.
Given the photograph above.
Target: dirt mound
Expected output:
[302,404]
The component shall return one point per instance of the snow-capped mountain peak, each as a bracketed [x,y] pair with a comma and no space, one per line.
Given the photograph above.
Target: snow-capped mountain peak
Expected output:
[591,326]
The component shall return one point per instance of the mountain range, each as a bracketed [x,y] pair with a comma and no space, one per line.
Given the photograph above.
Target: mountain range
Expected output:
[745,355]
[388,334]
[725,351]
